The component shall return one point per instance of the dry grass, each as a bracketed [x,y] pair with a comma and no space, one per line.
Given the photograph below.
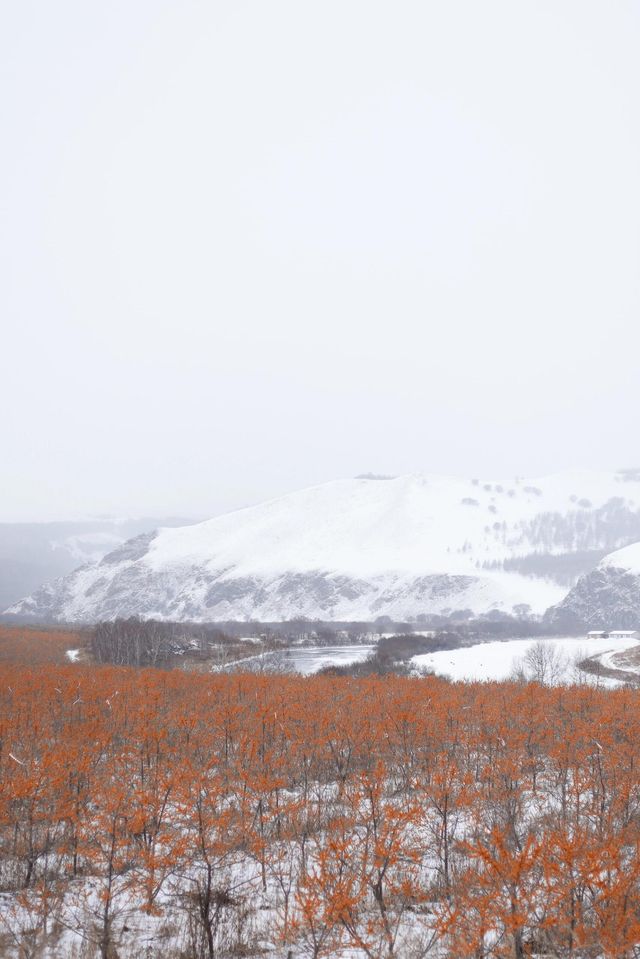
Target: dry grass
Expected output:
[31,645]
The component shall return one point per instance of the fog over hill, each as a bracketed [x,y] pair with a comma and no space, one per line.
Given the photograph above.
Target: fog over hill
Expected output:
[34,553]
[364,547]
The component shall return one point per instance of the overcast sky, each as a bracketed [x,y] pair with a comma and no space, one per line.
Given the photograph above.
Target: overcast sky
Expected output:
[252,246]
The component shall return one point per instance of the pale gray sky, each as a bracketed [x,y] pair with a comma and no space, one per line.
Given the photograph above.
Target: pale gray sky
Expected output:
[250,246]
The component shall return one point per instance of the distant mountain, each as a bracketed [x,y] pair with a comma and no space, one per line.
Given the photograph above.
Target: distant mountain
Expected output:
[361,548]
[608,597]
[34,553]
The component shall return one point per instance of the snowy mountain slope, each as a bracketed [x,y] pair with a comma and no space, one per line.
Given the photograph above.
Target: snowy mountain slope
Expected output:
[608,597]
[360,548]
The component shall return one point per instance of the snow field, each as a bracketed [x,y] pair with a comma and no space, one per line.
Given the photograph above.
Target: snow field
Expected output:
[495,660]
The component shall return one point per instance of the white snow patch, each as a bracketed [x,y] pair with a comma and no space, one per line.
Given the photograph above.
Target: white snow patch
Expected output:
[627,559]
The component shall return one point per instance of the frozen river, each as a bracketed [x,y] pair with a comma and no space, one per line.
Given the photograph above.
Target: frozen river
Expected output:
[311,659]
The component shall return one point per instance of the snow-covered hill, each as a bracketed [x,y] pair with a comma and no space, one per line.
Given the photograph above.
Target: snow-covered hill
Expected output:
[608,597]
[361,548]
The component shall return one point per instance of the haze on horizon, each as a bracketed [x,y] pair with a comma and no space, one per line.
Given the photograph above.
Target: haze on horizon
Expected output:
[250,247]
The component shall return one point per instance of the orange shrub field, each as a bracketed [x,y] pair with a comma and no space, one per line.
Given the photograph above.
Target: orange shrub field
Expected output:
[253,815]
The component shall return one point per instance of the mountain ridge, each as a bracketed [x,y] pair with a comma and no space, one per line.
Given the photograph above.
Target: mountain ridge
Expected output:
[356,549]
